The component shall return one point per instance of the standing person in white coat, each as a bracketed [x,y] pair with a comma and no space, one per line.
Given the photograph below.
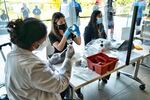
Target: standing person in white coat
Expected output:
[96,6]
[27,76]
[69,11]
[110,18]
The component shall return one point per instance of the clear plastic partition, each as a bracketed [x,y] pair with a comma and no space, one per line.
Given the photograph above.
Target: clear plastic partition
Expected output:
[96,46]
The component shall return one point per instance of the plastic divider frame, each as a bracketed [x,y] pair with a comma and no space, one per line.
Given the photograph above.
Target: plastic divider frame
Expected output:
[101,63]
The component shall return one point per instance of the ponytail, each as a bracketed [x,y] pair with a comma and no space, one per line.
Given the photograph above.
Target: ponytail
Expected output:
[24,33]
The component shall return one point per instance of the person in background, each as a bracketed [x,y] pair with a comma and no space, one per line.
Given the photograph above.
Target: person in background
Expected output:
[68,12]
[25,11]
[96,6]
[95,30]
[37,12]
[60,35]
[78,9]
[27,77]
[4,16]
[141,4]
[71,12]
[110,13]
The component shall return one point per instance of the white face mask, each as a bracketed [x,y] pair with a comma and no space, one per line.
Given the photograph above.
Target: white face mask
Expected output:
[42,46]
[99,21]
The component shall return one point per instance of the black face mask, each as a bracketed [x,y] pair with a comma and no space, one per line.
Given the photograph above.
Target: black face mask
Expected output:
[62,27]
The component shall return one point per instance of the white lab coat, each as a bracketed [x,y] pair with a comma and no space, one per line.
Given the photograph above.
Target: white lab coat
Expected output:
[69,12]
[95,7]
[29,78]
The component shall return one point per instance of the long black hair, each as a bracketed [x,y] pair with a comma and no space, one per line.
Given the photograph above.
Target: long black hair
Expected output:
[92,22]
[24,33]
[54,27]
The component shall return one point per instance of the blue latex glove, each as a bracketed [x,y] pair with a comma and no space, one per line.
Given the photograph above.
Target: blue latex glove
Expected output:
[67,32]
[75,30]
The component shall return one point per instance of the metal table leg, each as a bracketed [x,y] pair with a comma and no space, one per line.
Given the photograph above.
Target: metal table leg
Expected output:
[134,76]
[71,93]
[144,64]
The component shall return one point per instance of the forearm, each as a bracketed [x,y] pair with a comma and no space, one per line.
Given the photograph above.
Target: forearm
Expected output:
[62,43]
[66,68]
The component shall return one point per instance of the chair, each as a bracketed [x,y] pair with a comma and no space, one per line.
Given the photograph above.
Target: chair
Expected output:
[1,51]
[4,96]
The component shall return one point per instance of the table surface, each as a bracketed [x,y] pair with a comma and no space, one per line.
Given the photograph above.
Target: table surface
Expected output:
[145,52]
[83,76]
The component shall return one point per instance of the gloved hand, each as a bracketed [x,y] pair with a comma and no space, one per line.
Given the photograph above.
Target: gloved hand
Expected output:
[75,30]
[67,32]
[67,64]
[69,52]
[54,58]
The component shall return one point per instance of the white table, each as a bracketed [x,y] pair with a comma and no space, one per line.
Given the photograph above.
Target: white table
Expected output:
[83,76]
[145,52]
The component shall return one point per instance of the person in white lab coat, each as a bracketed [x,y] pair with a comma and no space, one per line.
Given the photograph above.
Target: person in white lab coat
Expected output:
[69,11]
[27,76]
[96,6]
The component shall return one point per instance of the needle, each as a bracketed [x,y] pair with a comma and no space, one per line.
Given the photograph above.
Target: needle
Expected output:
[62,53]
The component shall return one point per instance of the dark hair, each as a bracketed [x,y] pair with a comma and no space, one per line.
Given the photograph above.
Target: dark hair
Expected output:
[54,28]
[92,22]
[24,33]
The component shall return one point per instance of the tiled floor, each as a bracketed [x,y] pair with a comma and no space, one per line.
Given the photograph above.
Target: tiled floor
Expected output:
[122,88]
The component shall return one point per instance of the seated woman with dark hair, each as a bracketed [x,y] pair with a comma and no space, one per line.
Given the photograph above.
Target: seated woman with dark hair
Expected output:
[95,30]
